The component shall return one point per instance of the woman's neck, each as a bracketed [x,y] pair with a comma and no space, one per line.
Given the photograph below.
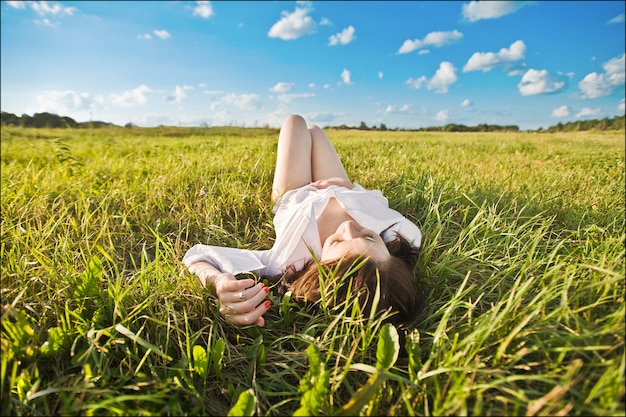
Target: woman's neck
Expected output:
[329,220]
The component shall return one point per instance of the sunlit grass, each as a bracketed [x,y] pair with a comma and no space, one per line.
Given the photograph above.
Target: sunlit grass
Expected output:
[523,259]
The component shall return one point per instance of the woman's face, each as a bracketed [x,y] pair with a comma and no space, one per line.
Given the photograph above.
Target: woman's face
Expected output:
[351,237]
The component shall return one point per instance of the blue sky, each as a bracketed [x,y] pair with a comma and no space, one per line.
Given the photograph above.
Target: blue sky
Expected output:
[404,64]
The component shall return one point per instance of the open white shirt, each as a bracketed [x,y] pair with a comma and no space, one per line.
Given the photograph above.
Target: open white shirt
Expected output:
[296,230]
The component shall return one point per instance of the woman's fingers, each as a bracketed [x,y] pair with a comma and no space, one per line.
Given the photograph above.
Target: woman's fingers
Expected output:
[242,300]
[254,316]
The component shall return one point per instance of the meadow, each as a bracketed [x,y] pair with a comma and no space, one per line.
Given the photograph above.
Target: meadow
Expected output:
[522,259]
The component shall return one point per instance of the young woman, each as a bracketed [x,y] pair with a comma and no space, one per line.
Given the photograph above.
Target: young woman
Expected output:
[323,223]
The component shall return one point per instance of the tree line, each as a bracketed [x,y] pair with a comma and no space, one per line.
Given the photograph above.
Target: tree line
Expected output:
[47,120]
[50,120]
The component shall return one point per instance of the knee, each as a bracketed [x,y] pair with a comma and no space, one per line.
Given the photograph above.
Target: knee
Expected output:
[314,128]
[294,120]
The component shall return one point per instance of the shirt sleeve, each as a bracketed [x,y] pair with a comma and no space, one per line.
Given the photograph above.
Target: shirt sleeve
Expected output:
[405,228]
[230,260]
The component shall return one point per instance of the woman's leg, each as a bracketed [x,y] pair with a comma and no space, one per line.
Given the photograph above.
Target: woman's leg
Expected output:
[325,162]
[293,157]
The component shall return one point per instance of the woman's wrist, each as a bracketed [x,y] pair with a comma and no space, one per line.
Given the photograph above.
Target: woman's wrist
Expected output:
[206,272]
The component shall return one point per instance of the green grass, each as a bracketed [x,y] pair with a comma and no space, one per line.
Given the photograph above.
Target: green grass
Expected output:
[523,257]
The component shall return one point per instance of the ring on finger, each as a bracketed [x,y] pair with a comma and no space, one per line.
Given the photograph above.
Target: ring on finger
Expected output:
[242,295]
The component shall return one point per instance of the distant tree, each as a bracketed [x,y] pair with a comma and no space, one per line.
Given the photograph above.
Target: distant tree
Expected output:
[363,126]
[9,119]
[26,120]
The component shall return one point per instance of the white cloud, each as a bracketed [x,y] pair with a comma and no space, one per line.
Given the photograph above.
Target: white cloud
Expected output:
[477,10]
[443,115]
[180,93]
[293,25]
[588,112]
[486,61]
[617,19]
[16,4]
[540,82]
[281,87]
[145,36]
[163,34]
[621,106]
[342,38]
[393,109]
[436,39]
[243,101]
[288,98]
[345,76]
[380,75]
[43,8]
[562,111]
[443,78]
[203,9]
[132,97]
[45,22]
[466,103]
[325,22]
[596,85]
[64,102]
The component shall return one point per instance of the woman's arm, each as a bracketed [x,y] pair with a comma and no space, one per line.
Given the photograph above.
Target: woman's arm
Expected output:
[241,301]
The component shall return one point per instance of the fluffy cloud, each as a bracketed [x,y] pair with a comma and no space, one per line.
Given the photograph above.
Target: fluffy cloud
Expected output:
[64,102]
[243,101]
[442,115]
[562,111]
[293,25]
[393,109]
[443,78]
[477,10]
[588,112]
[180,93]
[43,8]
[288,98]
[540,82]
[596,85]
[621,106]
[132,97]
[203,9]
[163,34]
[345,77]
[486,61]
[16,4]
[617,19]
[342,38]
[466,103]
[436,39]
[281,87]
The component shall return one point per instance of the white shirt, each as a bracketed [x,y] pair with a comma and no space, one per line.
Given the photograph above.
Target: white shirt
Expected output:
[296,230]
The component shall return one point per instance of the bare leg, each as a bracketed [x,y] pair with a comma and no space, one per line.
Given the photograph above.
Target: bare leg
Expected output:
[325,162]
[293,157]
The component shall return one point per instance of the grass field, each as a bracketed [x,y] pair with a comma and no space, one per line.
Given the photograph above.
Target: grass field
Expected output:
[523,258]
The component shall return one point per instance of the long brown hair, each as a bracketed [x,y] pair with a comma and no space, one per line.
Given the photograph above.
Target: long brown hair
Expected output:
[357,276]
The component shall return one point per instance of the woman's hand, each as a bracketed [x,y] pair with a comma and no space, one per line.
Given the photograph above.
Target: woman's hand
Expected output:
[342,182]
[241,300]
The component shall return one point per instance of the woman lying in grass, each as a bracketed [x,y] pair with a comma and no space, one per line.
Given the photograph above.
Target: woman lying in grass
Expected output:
[324,224]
